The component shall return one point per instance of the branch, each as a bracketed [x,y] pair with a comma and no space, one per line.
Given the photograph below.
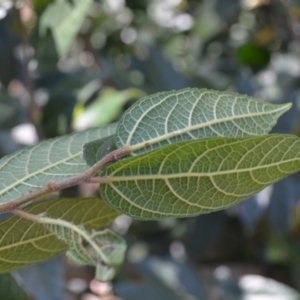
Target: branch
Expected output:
[53,187]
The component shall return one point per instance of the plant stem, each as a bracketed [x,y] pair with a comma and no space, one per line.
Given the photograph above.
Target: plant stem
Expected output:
[52,187]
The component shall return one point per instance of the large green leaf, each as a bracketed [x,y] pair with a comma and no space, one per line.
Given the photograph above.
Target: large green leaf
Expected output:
[64,19]
[52,160]
[23,242]
[195,177]
[191,114]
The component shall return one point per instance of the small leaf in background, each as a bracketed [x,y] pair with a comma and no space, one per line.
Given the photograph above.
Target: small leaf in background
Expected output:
[51,160]
[208,23]
[195,177]
[103,249]
[44,280]
[161,279]
[10,289]
[95,150]
[190,114]
[253,56]
[105,108]
[64,19]
[257,287]
[23,242]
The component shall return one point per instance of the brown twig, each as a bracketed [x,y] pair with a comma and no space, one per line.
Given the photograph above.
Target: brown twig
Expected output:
[52,187]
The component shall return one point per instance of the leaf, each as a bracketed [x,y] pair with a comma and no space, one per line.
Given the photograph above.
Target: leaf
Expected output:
[191,114]
[105,108]
[23,242]
[95,150]
[105,249]
[43,280]
[10,290]
[160,279]
[196,177]
[64,19]
[259,287]
[52,160]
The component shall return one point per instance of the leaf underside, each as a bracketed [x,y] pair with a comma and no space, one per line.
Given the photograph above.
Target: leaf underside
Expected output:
[191,114]
[95,150]
[106,254]
[52,160]
[23,242]
[196,177]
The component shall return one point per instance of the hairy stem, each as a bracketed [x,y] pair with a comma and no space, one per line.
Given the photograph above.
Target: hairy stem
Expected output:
[52,187]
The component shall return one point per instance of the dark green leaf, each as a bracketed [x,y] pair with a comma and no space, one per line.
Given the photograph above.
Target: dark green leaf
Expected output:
[65,21]
[190,178]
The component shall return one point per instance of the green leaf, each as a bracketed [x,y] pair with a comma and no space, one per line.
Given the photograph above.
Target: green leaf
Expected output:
[23,242]
[95,150]
[195,177]
[105,108]
[10,290]
[52,160]
[104,249]
[191,114]
[65,20]
[259,287]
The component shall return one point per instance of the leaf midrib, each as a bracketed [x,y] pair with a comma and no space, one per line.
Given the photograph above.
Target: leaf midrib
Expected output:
[192,174]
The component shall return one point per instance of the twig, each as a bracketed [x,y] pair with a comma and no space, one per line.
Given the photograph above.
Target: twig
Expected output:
[52,187]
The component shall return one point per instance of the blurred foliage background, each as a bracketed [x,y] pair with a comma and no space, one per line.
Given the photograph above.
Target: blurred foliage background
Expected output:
[69,65]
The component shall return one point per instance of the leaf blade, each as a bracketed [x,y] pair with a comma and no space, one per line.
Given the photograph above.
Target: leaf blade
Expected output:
[190,114]
[23,242]
[51,160]
[196,177]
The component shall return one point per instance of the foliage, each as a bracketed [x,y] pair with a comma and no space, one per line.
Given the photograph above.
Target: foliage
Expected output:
[75,64]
